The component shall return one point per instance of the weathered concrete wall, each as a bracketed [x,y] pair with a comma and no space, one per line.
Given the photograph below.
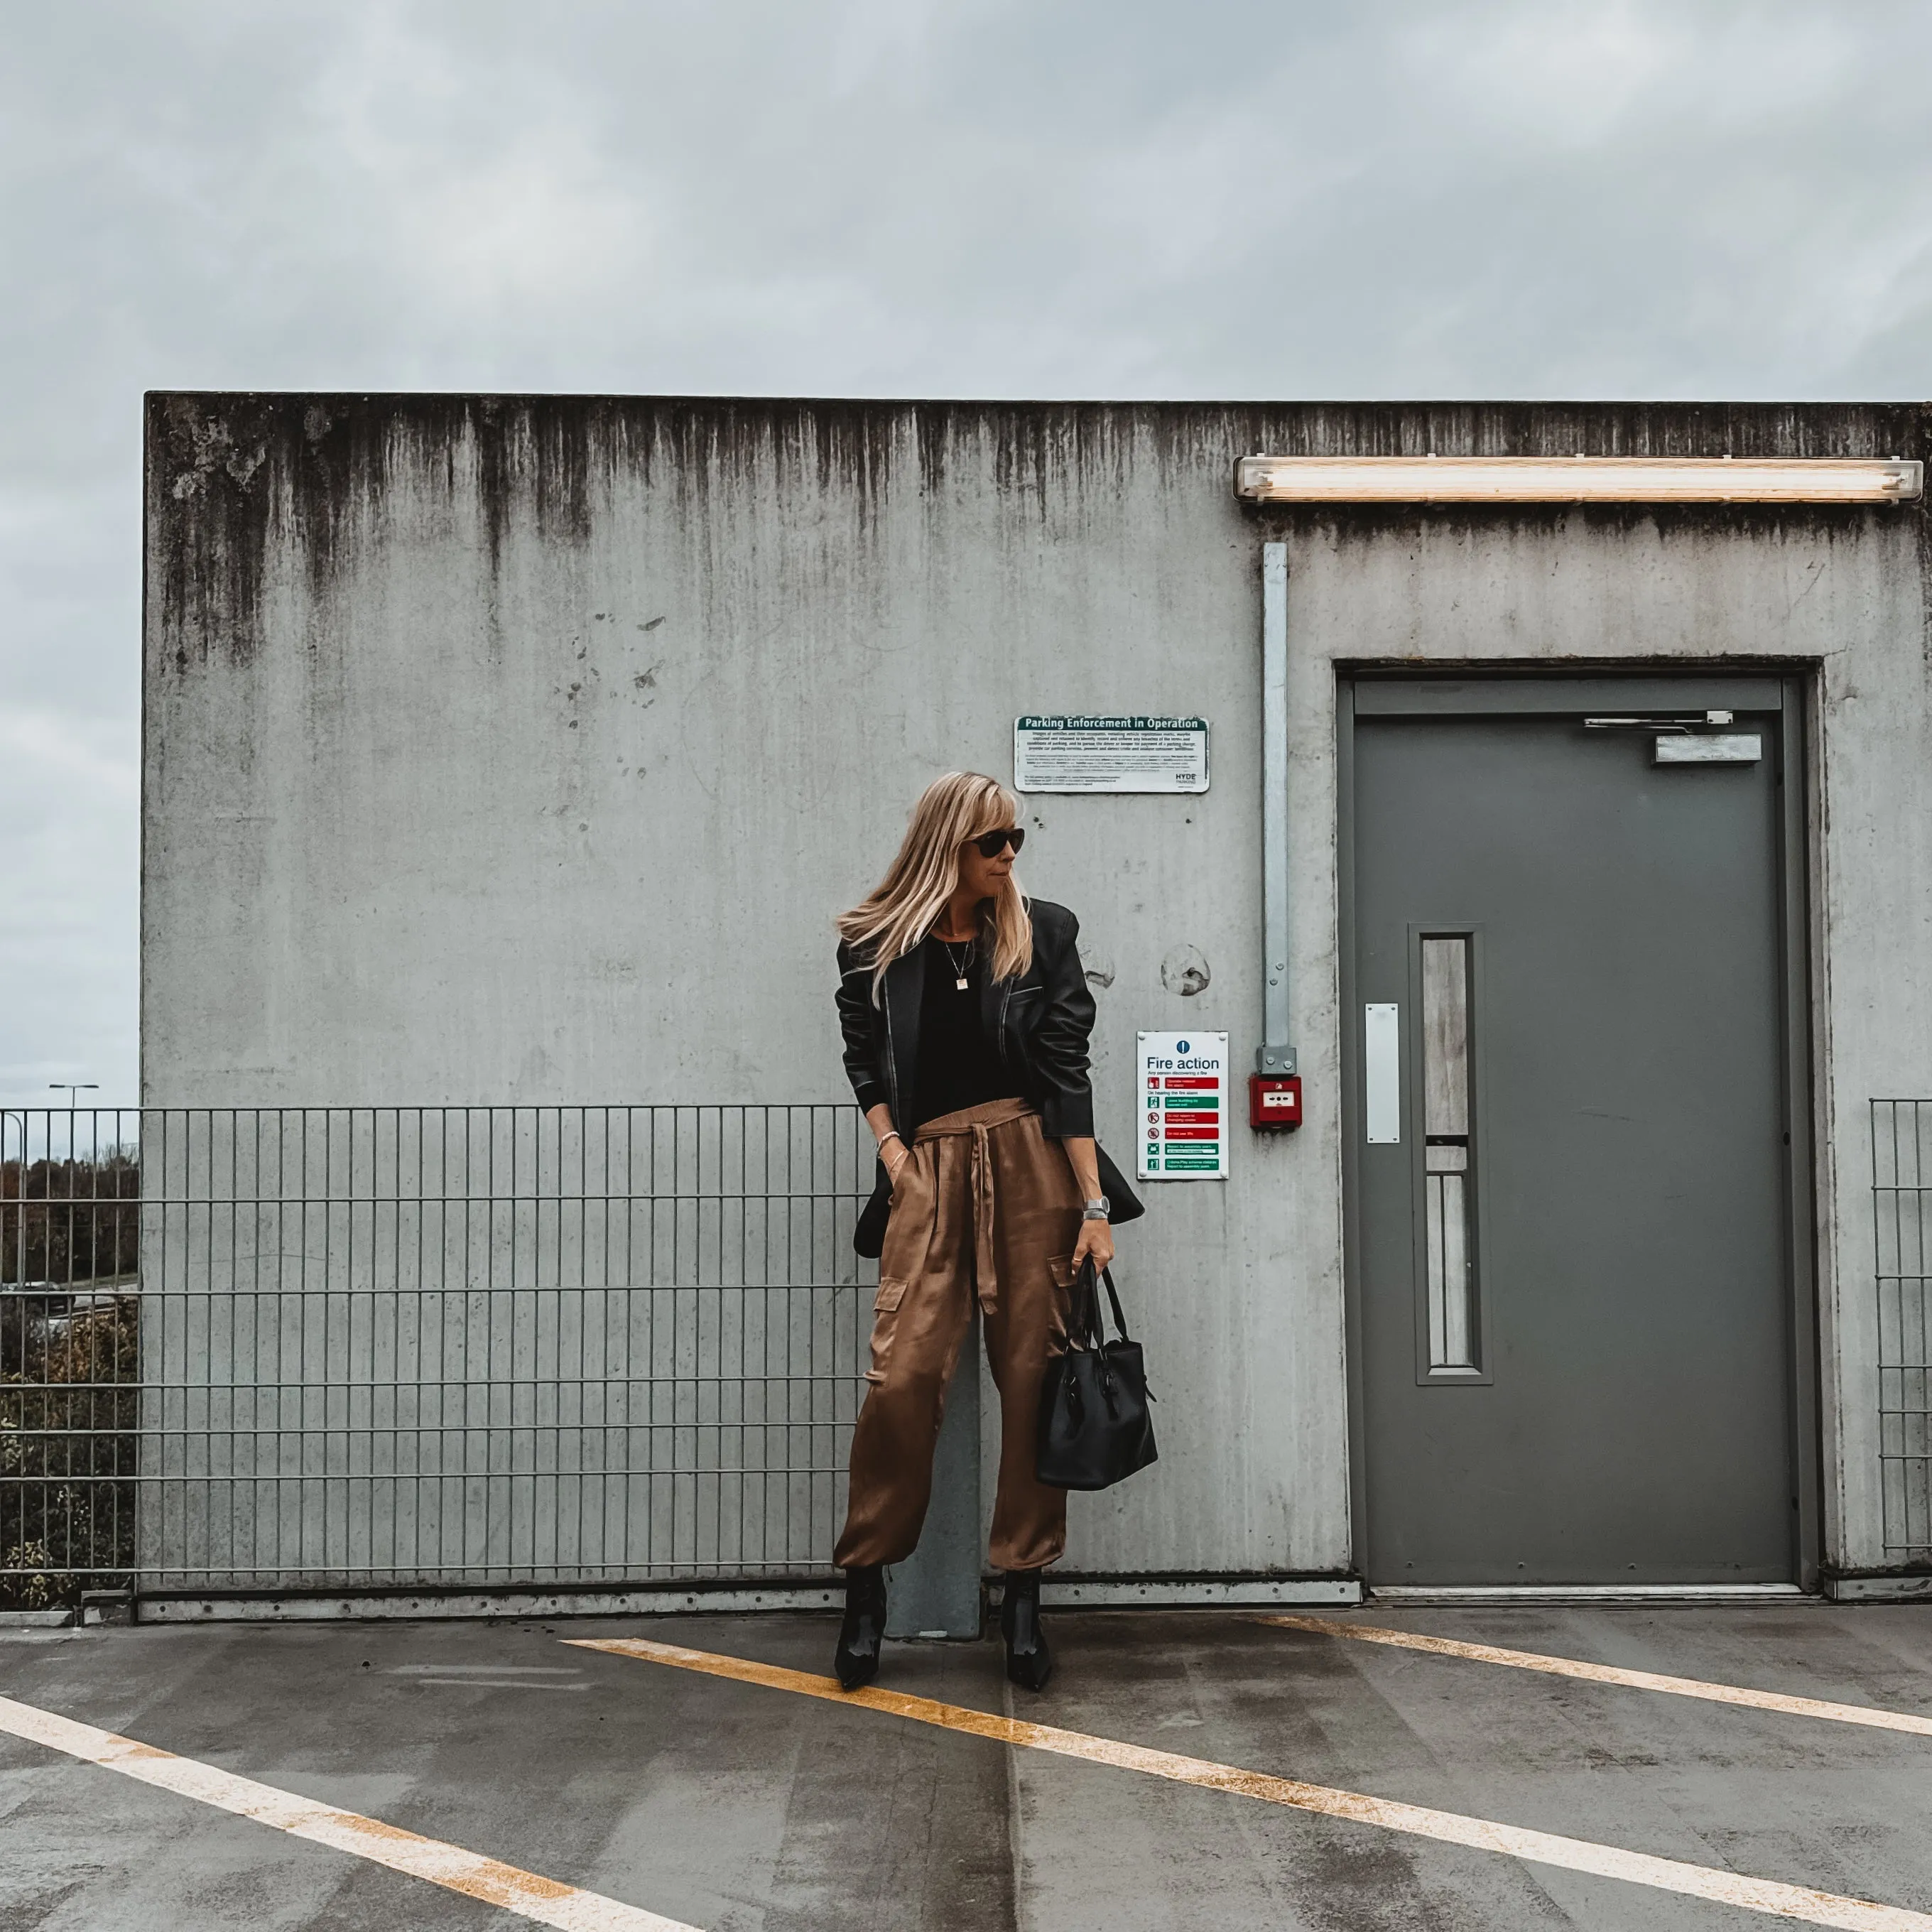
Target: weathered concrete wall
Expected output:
[521,749]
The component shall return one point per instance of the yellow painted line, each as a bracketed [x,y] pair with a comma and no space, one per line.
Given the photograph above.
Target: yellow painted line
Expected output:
[1579,1855]
[1610,1673]
[544,1901]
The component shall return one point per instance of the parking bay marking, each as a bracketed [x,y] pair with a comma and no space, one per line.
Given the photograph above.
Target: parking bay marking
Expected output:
[1610,1673]
[482,1670]
[1769,1896]
[496,1684]
[490,1676]
[545,1901]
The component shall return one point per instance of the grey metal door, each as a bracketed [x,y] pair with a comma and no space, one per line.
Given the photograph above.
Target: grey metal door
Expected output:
[1574,1297]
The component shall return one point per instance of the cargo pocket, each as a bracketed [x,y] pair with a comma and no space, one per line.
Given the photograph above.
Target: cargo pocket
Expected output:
[885,1324]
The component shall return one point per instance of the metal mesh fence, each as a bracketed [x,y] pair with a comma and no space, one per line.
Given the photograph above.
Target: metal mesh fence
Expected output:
[1902,1210]
[330,1347]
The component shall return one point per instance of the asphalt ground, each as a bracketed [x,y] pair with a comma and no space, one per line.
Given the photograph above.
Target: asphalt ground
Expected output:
[645,1784]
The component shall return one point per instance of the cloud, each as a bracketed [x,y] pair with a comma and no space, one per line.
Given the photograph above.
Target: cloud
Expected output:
[872,197]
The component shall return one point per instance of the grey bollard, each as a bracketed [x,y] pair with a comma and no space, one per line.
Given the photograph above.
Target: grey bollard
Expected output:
[936,1591]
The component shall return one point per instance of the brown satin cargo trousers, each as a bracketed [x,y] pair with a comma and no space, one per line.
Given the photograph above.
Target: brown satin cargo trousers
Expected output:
[984,1206]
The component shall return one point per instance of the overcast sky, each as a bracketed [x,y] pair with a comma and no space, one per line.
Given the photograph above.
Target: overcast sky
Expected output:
[1681,199]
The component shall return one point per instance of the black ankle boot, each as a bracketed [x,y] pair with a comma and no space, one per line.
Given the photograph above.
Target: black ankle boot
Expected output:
[856,1660]
[1029,1661]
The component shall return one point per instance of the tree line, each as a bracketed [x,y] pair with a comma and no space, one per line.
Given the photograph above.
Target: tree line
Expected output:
[68,1223]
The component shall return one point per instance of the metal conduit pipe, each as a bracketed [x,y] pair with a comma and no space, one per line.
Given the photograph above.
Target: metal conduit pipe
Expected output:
[1276,1055]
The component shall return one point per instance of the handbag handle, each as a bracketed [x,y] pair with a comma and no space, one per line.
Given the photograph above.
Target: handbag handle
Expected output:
[1093,1328]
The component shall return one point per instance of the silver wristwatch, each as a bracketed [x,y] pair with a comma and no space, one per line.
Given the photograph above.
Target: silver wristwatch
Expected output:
[1096,1210]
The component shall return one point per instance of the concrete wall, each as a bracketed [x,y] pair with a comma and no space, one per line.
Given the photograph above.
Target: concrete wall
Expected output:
[521,749]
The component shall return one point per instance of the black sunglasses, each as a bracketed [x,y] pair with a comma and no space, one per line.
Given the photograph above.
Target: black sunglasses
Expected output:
[990,844]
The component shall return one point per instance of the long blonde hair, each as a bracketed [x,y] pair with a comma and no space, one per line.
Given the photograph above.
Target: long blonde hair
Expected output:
[905,906]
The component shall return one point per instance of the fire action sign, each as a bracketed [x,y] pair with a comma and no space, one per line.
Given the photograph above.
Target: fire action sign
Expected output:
[1183,1106]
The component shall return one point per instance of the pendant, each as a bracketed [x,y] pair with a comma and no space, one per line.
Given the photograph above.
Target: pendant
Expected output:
[960,985]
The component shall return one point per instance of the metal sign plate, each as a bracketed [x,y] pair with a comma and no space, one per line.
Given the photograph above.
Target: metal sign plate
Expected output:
[1070,753]
[1735,748]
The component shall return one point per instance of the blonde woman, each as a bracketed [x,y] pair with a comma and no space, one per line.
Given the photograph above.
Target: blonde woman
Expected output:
[966,1018]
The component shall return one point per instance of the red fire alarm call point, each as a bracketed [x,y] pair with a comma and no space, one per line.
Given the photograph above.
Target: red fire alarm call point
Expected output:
[1274,1100]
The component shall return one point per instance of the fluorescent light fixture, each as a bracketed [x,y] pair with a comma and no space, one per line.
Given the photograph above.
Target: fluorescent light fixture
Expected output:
[1575,479]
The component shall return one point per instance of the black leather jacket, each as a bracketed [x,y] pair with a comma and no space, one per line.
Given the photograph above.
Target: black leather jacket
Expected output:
[1040,1021]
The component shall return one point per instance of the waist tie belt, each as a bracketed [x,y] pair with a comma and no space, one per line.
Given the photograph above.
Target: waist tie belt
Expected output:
[978,1122]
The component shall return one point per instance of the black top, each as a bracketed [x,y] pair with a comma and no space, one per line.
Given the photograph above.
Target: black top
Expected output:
[959,1065]
[1037,1025]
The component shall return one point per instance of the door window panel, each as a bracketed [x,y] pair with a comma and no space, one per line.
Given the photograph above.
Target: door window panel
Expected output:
[1448,1181]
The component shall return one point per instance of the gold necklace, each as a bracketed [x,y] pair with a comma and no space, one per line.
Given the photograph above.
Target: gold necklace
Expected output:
[959,966]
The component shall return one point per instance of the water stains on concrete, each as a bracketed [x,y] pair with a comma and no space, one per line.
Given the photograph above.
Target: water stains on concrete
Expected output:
[232,477]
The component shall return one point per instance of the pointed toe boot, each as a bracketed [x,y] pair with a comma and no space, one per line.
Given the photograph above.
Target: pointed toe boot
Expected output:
[1029,1661]
[857,1659]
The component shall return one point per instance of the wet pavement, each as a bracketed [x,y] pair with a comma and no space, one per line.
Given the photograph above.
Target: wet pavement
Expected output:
[767,1806]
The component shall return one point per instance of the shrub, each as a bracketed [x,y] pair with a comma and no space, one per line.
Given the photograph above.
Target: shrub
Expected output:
[69,1415]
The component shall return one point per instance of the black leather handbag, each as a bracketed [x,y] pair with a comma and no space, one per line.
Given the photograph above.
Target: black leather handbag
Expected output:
[1095,1429]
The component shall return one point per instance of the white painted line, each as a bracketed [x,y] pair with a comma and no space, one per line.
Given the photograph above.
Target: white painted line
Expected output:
[486,1669]
[1609,1673]
[502,1683]
[543,1901]
[1769,1896]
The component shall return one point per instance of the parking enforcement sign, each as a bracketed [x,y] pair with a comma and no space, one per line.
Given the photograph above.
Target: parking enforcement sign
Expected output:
[1183,1093]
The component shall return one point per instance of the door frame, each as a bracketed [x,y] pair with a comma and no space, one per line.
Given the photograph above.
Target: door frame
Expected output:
[1490,690]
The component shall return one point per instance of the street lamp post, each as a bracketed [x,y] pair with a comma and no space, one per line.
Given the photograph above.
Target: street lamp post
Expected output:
[74,1088]
[15,1113]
